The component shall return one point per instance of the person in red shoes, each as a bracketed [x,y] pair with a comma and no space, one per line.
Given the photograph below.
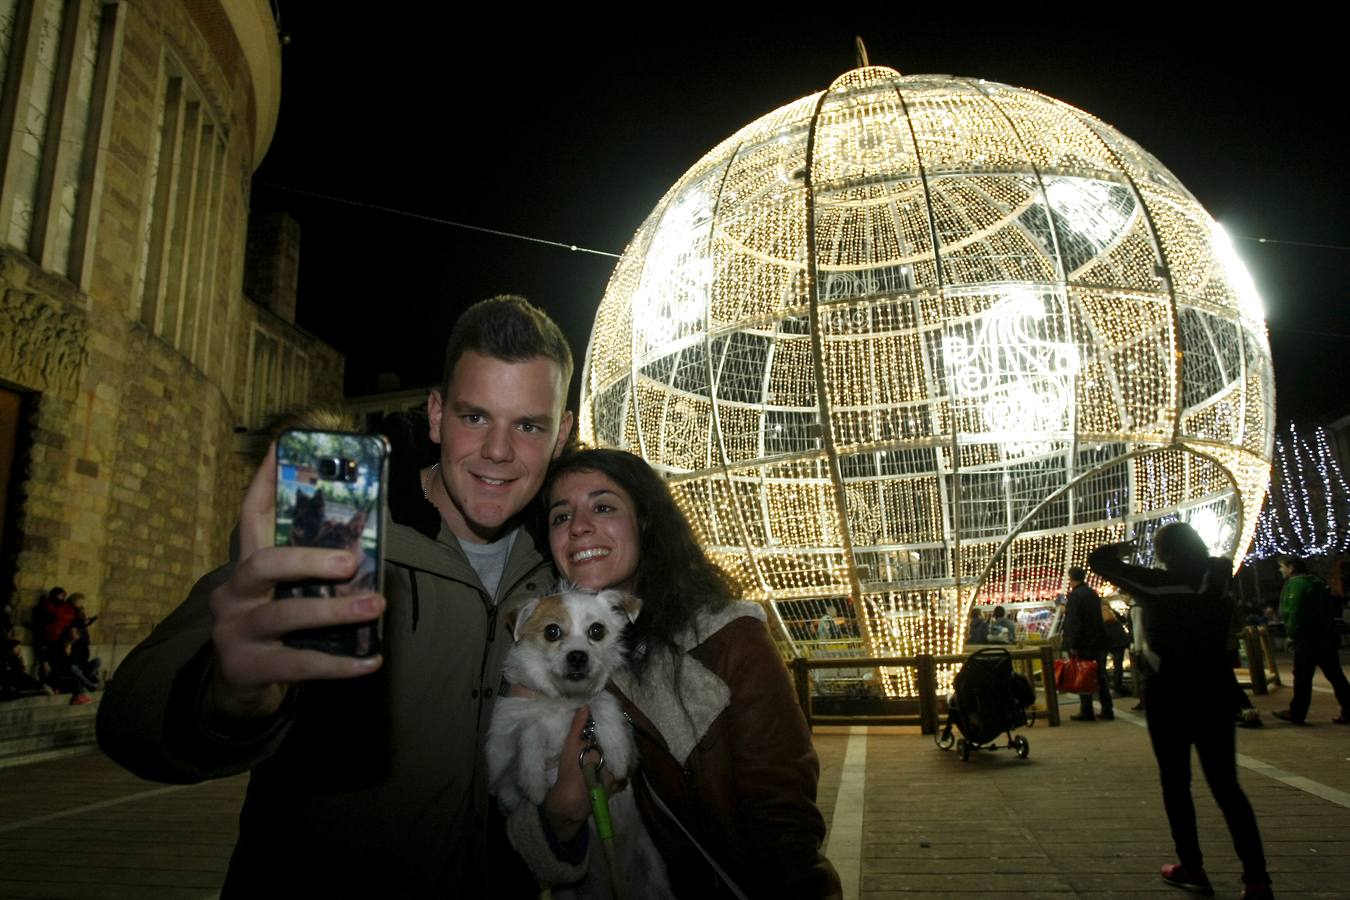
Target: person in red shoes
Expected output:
[1188,697]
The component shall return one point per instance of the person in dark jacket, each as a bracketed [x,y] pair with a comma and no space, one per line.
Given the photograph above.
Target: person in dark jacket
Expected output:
[1189,694]
[1305,607]
[979,627]
[366,774]
[1085,636]
[1002,629]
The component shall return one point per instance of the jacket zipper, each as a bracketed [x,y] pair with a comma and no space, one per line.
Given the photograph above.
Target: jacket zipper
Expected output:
[416,600]
[492,610]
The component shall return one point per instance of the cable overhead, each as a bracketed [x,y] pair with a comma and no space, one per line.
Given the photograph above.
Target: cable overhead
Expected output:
[575,248]
[1262,240]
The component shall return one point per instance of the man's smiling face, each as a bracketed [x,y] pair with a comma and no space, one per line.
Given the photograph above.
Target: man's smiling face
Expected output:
[499,424]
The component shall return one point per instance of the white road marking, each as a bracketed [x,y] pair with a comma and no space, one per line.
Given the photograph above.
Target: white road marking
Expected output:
[90,807]
[1307,785]
[843,846]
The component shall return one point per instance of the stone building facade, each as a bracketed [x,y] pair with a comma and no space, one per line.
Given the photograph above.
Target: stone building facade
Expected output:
[132,364]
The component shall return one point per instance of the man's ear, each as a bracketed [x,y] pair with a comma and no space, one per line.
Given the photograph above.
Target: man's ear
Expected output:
[435,407]
[564,432]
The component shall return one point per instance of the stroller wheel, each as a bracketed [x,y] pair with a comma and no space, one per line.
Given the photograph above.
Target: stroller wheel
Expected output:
[944,739]
[963,749]
[1022,746]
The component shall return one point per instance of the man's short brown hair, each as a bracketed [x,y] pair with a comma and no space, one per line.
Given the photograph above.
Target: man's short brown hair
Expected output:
[509,328]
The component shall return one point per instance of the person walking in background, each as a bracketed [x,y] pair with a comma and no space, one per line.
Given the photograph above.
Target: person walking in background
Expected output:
[1085,636]
[1305,607]
[1117,641]
[1189,695]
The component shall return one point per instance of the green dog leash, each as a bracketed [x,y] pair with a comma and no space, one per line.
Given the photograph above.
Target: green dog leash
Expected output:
[604,825]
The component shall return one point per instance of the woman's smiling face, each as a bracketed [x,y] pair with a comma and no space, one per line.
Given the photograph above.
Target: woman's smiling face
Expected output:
[593,531]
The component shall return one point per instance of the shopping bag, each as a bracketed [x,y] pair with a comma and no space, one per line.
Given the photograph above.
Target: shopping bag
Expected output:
[1076,676]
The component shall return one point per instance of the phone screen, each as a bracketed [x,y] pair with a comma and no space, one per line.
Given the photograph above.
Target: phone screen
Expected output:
[330,494]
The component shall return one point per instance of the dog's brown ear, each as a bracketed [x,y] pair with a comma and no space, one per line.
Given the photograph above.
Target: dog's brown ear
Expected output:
[622,601]
[516,618]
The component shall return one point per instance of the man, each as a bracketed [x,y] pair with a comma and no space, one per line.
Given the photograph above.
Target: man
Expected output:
[1188,697]
[1305,607]
[1002,629]
[1085,636]
[367,774]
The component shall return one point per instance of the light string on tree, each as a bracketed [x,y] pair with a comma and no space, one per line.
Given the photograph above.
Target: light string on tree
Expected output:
[1307,502]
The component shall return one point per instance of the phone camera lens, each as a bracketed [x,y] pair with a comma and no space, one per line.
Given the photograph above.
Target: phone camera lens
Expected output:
[329,468]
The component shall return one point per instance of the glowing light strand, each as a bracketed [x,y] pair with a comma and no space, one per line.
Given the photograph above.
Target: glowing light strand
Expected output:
[1307,501]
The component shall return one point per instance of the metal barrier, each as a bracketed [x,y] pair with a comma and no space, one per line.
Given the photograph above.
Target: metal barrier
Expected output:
[925,677]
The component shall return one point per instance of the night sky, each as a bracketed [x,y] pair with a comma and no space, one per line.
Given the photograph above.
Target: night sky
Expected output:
[572,131]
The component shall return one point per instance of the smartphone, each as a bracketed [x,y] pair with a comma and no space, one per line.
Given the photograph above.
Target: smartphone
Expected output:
[331,494]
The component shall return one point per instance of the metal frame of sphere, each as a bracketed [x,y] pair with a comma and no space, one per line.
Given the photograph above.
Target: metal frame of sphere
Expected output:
[919,342]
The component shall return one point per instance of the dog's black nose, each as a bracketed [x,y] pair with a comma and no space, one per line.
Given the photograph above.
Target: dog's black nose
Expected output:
[576,659]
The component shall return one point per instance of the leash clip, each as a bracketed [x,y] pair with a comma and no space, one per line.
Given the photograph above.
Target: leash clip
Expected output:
[592,746]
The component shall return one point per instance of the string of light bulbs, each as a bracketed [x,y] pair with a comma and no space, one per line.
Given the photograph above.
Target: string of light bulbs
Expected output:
[1307,501]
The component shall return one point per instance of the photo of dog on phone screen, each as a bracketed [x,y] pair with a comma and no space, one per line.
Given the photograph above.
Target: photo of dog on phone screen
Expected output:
[566,646]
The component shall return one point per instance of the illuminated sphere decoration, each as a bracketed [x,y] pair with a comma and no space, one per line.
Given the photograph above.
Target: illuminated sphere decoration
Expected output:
[920,342]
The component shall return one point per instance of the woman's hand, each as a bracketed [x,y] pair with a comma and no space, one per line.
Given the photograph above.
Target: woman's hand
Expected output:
[567,805]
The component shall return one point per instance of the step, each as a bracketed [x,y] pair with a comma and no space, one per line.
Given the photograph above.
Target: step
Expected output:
[76,737]
[46,725]
[36,728]
[30,709]
[37,756]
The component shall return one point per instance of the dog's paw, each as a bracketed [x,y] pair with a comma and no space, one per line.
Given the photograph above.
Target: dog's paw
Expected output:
[534,784]
[508,796]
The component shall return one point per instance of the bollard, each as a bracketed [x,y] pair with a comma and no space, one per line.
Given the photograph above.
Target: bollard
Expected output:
[925,674]
[1256,660]
[1264,634]
[1048,681]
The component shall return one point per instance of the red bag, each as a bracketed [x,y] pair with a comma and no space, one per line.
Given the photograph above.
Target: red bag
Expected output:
[1076,676]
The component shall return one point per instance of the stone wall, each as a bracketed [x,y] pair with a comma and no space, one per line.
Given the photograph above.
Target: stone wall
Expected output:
[135,473]
[133,482]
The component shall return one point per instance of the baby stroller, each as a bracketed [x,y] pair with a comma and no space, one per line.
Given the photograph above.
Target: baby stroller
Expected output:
[989,699]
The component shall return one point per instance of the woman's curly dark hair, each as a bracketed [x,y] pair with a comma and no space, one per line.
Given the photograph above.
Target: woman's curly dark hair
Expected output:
[675,579]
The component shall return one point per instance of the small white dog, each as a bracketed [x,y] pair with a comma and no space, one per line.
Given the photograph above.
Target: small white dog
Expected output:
[567,644]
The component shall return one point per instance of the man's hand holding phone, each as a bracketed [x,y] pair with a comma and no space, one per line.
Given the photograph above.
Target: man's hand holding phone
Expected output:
[253,668]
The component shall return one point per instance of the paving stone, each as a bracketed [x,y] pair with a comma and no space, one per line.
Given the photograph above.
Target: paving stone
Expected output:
[1082,818]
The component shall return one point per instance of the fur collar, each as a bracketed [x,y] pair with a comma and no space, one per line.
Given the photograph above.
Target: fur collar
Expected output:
[704,695]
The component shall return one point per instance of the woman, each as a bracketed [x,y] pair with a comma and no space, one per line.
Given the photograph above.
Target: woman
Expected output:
[722,741]
[1188,697]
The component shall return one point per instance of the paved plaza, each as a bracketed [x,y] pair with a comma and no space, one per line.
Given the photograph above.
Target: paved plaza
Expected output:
[1081,817]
